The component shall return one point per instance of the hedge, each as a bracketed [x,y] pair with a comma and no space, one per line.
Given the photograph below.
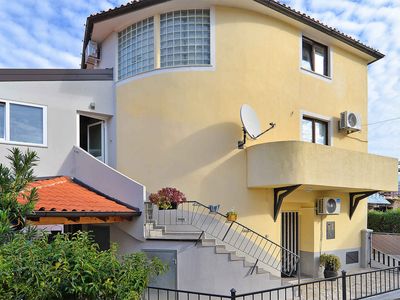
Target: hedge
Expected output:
[388,221]
[71,267]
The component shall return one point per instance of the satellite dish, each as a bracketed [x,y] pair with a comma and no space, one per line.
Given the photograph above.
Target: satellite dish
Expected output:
[250,121]
[251,124]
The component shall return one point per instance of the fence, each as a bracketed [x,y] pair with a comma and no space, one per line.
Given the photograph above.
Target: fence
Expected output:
[344,287]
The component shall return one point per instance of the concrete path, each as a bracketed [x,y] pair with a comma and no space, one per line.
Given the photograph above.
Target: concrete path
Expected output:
[388,296]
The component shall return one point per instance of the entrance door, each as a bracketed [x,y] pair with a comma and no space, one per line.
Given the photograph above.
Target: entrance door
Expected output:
[95,140]
[168,279]
[289,241]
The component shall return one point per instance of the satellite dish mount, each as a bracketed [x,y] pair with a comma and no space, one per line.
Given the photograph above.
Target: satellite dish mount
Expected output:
[251,125]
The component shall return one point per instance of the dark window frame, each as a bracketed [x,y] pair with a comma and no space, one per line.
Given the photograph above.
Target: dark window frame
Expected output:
[313,43]
[314,121]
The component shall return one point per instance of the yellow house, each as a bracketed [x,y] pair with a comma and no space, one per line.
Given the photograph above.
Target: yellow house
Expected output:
[182,71]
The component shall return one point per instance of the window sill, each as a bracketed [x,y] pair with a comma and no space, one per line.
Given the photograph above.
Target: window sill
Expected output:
[320,76]
[161,70]
[23,144]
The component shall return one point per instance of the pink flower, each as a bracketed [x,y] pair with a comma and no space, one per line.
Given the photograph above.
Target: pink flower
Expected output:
[167,195]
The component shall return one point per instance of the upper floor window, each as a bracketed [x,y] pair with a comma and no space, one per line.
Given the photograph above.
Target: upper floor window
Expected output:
[136,49]
[185,38]
[315,57]
[22,123]
[315,131]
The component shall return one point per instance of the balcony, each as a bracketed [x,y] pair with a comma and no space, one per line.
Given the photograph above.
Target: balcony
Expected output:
[318,167]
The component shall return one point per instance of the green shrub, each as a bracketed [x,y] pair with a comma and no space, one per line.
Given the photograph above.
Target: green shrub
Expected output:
[388,221]
[330,262]
[71,267]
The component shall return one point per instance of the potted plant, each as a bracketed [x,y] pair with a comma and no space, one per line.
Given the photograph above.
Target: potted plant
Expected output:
[214,208]
[331,263]
[231,215]
[167,198]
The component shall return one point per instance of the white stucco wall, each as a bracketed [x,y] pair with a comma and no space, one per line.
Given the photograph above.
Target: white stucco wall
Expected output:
[63,100]
[108,53]
[200,268]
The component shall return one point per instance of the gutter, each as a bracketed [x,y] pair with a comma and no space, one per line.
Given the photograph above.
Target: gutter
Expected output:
[77,214]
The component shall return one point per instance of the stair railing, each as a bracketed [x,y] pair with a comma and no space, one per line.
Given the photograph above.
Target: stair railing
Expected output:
[384,259]
[231,233]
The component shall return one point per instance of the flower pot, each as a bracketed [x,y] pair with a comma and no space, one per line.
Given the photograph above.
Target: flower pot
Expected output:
[330,273]
[231,217]
[213,208]
[172,206]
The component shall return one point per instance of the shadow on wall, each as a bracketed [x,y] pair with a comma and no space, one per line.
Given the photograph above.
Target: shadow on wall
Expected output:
[200,149]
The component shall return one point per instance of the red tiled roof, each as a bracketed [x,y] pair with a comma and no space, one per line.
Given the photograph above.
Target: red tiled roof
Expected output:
[63,194]
[272,4]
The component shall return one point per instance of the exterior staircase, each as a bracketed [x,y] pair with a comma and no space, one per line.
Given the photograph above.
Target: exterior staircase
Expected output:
[193,221]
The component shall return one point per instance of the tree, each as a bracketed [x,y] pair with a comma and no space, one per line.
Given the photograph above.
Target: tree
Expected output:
[71,266]
[16,199]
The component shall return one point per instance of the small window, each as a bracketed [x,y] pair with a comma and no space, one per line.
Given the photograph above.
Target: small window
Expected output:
[22,123]
[315,57]
[2,120]
[315,131]
[26,124]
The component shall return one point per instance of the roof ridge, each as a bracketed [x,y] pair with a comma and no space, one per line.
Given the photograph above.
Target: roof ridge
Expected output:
[272,4]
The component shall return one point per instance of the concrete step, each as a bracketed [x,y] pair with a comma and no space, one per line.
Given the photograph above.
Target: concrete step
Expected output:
[235,257]
[208,242]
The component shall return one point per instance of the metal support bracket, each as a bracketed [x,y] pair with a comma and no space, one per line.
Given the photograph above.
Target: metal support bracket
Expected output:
[355,198]
[279,195]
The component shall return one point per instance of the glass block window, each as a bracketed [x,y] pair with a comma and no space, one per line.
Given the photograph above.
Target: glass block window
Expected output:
[185,38]
[136,49]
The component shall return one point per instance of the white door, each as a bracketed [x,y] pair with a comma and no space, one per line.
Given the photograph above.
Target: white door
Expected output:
[95,136]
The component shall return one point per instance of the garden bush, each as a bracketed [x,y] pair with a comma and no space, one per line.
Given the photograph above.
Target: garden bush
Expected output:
[388,221]
[71,267]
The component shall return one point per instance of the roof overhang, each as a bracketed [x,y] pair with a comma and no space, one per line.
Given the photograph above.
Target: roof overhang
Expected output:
[101,25]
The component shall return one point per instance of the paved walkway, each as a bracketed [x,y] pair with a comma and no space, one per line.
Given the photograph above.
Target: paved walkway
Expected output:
[387,296]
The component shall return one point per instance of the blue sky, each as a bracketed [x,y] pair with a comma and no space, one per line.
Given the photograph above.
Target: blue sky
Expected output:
[48,34]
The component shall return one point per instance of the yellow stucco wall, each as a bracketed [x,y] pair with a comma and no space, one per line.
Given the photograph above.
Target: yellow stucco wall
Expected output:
[181,128]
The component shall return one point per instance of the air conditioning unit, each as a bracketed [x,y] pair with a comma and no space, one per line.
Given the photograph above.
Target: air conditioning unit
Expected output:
[350,121]
[92,53]
[328,206]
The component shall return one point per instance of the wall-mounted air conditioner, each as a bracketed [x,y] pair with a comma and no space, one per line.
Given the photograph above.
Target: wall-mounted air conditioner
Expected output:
[92,53]
[350,122]
[328,206]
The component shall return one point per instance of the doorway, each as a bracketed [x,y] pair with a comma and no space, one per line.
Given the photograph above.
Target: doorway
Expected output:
[289,241]
[92,136]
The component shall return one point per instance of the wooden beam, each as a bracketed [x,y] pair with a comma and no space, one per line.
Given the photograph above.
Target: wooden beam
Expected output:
[79,220]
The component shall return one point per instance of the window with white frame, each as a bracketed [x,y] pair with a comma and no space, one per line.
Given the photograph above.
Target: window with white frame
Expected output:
[22,123]
[2,120]
[185,38]
[315,57]
[136,49]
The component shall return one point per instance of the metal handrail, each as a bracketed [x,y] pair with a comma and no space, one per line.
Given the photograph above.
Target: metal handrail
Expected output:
[387,259]
[343,287]
[235,234]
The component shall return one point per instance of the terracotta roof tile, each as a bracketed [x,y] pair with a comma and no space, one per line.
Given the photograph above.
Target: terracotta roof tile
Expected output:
[63,194]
